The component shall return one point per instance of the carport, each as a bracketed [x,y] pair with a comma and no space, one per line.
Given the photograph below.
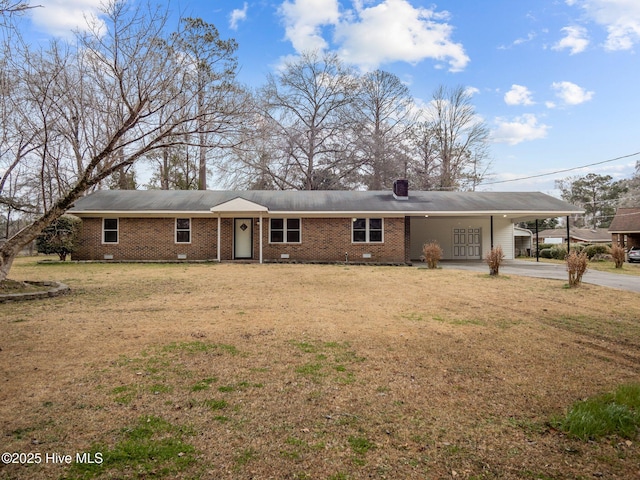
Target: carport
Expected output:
[467,226]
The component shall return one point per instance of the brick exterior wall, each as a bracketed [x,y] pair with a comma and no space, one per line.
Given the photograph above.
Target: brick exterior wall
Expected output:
[328,239]
[323,240]
[147,239]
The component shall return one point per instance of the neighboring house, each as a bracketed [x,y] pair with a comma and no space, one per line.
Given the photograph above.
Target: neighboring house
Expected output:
[578,235]
[306,226]
[625,227]
[523,242]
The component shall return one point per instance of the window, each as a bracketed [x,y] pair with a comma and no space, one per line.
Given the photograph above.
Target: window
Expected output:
[109,230]
[367,230]
[360,230]
[284,230]
[183,230]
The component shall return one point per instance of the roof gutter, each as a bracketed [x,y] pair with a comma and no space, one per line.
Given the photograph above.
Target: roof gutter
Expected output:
[333,214]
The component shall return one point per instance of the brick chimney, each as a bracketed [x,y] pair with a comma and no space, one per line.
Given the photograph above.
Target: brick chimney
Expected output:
[401,189]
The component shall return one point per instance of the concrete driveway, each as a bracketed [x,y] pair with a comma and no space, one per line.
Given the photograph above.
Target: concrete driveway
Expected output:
[548,270]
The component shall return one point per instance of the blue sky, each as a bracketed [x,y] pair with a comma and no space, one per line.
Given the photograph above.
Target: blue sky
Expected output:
[556,81]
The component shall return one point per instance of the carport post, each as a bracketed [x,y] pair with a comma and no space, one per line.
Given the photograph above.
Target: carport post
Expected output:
[568,237]
[491,232]
[537,243]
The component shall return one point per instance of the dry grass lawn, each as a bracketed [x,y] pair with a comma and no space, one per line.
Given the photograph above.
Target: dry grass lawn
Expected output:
[310,372]
[601,266]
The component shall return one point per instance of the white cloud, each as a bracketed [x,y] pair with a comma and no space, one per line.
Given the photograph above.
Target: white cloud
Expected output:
[62,17]
[575,40]
[237,16]
[385,32]
[521,129]
[519,41]
[530,36]
[395,30]
[304,20]
[621,18]
[518,95]
[571,94]
[471,91]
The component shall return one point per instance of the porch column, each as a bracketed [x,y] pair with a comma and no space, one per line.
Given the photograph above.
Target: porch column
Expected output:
[218,247]
[261,238]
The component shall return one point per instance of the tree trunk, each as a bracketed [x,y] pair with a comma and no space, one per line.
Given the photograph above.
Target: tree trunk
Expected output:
[202,160]
[202,165]
[6,260]
[12,247]
[123,184]
[164,182]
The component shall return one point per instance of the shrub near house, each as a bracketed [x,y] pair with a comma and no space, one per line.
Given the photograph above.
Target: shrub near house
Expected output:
[59,237]
[593,250]
[618,254]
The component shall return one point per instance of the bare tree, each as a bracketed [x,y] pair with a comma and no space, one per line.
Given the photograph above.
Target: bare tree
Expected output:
[16,143]
[177,169]
[12,7]
[120,95]
[455,138]
[383,117]
[253,163]
[212,68]
[305,108]
[423,169]
[631,198]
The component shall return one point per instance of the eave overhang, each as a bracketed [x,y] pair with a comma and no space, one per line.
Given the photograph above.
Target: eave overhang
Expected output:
[234,209]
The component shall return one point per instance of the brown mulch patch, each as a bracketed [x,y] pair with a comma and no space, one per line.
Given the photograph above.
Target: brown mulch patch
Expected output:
[310,371]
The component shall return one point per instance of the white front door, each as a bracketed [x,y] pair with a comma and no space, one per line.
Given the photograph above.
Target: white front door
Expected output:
[467,243]
[242,238]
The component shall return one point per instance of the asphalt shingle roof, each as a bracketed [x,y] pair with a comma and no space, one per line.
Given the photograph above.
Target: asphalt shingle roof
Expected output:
[583,234]
[626,220]
[420,202]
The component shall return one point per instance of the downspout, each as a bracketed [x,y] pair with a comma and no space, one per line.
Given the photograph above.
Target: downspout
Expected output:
[568,237]
[491,232]
[537,243]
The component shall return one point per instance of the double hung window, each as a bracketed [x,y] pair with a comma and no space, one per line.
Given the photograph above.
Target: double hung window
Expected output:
[110,230]
[284,230]
[367,230]
[183,230]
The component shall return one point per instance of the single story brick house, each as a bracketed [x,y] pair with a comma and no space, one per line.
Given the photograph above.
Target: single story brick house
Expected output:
[305,226]
[625,227]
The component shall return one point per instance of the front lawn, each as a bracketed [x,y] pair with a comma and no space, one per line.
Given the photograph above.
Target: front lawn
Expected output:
[601,266]
[312,372]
